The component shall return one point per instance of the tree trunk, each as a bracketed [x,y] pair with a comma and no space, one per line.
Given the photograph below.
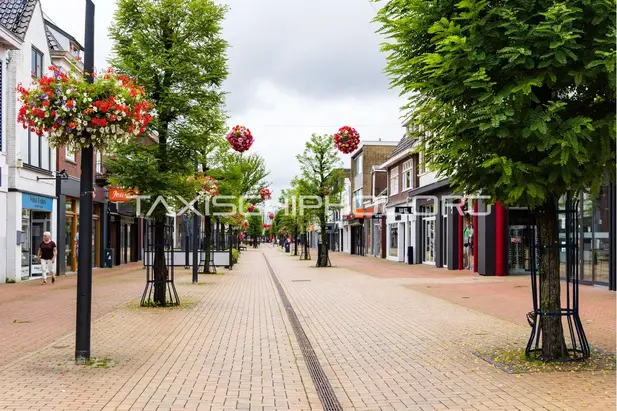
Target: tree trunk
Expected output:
[553,342]
[323,260]
[207,238]
[159,266]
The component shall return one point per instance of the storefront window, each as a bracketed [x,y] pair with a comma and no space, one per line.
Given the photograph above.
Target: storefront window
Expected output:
[587,236]
[39,223]
[394,240]
[25,247]
[69,241]
[601,245]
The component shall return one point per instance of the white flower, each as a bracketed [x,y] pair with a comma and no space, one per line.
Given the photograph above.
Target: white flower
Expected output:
[83,140]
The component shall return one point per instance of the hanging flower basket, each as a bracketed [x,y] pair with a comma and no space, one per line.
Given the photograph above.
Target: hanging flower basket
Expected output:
[271,216]
[240,138]
[208,186]
[265,194]
[245,225]
[346,140]
[73,113]
[238,219]
[251,208]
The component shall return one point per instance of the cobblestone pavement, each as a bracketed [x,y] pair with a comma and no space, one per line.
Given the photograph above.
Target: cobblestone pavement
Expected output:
[507,298]
[382,345]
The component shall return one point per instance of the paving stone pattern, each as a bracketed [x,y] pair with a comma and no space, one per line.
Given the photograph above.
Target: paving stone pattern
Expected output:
[382,345]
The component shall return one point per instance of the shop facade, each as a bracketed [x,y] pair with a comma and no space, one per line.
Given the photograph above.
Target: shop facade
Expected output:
[68,221]
[125,233]
[437,227]
[356,228]
[399,228]
[504,239]
[36,216]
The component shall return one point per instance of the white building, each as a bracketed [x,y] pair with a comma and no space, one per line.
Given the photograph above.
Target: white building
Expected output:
[346,210]
[31,205]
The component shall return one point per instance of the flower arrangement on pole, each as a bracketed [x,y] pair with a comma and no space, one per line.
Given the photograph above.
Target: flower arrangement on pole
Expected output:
[240,138]
[347,140]
[207,185]
[70,112]
[265,194]
[251,208]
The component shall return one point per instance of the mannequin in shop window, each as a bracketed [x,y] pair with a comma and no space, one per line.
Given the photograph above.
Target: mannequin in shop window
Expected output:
[468,243]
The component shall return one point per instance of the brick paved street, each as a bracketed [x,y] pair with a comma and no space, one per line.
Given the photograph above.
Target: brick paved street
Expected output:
[383,341]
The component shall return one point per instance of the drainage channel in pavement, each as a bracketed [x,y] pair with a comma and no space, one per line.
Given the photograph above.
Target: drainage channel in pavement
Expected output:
[322,384]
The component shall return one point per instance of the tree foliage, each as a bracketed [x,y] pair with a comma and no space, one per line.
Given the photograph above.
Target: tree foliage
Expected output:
[174,49]
[321,177]
[514,99]
[255,228]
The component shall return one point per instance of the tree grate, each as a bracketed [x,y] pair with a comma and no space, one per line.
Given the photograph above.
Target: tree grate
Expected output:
[320,380]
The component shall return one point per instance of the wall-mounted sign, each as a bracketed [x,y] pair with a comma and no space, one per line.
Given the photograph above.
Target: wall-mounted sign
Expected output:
[377,216]
[34,202]
[403,210]
[119,195]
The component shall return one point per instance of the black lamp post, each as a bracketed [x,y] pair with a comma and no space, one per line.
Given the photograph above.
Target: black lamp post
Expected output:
[84,271]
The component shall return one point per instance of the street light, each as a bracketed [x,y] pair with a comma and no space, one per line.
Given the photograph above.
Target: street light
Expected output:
[84,270]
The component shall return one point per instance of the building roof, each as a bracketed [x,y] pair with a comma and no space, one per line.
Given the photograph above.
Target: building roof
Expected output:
[50,36]
[372,143]
[53,43]
[15,15]
[404,145]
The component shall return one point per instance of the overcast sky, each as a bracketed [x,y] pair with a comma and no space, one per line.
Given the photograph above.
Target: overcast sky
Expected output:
[296,68]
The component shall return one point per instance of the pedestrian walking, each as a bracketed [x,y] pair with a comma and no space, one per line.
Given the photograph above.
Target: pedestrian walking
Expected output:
[47,257]
[468,242]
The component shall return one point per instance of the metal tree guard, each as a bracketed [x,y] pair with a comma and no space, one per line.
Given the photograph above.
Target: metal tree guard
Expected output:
[213,248]
[578,347]
[171,294]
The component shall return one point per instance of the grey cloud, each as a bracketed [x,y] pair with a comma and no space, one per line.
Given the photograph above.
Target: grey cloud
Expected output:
[321,48]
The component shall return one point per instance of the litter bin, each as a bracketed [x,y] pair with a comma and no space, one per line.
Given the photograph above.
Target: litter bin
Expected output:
[410,255]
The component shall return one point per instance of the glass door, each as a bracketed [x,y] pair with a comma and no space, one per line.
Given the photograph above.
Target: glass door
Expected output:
[444,239]
[429,240]
[40,224]
[27,245]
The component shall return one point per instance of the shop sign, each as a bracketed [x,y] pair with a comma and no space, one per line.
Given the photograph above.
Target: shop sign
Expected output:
[119,195]
[403,210]
[34,202]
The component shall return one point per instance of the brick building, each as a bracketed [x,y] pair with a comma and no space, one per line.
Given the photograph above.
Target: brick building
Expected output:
[369,154]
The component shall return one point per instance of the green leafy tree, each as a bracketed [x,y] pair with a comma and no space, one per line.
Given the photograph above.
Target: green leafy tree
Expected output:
[255,228]
[175,50]
[516,100]
[321,177]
